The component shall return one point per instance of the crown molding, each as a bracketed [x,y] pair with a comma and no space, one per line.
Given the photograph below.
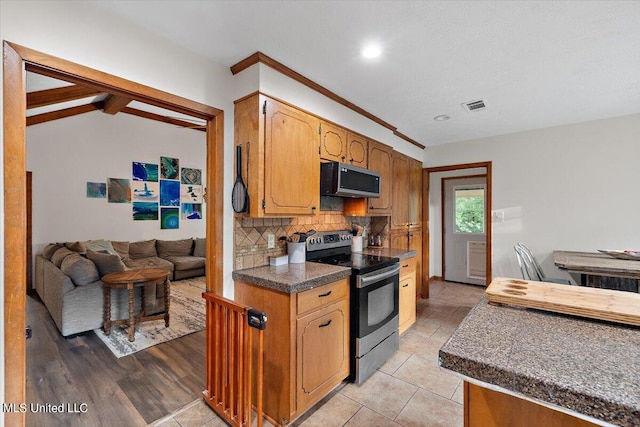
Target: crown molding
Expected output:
[260,57]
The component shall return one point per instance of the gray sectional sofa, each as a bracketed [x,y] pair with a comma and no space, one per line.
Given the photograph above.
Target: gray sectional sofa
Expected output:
[67,277]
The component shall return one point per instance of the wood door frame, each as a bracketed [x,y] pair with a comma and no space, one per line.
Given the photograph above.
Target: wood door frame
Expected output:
[426,175]
[443,180]
[16,61]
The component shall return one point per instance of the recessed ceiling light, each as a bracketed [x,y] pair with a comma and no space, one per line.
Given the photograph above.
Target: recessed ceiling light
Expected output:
[442,117]
[371,51]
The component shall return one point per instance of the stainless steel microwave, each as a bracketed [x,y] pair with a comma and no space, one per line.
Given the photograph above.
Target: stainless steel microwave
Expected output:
[345,180]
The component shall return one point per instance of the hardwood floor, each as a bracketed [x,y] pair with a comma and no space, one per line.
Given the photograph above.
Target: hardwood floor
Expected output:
[131,391]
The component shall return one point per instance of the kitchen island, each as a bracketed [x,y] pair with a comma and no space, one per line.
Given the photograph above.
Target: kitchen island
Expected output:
[306,341]
[527,367]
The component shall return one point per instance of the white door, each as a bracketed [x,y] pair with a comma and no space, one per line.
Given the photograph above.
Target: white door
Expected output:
[465,239]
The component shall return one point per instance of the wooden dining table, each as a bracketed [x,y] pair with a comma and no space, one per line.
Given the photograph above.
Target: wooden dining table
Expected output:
[600,270]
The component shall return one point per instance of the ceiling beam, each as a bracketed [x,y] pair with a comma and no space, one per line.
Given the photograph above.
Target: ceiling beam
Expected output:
[163,119]
[57,95]
[60,114]
[113,104]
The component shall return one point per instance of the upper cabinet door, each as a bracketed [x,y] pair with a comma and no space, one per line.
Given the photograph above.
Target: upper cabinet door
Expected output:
[291,168]
[415,193]
[357,150]
[380,161]
[400,191]
[333,142]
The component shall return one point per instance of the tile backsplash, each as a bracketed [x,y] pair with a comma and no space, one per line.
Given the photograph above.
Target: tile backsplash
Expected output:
[251,233]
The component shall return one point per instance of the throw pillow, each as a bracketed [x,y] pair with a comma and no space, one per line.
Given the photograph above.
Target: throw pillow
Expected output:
[106,263]
[144,249]
[100,246]
[60,255]
[169,248]
[200,247]
[122,248]
[76,247]
[79,269]
[50,249]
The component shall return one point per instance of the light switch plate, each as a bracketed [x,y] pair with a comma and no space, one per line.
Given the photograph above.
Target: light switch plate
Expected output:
[497,216]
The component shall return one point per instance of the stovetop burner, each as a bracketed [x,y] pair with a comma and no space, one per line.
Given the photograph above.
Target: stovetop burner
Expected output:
[334,247]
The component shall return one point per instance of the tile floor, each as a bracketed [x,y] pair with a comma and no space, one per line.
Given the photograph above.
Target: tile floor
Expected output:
[409,390]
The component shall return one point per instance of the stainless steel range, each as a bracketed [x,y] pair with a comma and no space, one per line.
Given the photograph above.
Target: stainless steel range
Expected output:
[374,300]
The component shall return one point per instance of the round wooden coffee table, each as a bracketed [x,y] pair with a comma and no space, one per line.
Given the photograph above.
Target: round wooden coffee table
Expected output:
[131,279]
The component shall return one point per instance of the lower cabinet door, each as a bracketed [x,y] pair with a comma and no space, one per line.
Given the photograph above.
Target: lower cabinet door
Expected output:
[323,352]
[407,305]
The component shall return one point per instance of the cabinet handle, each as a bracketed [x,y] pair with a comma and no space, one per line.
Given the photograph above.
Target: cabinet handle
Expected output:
[313,208]
[324,325]
[405,286]
[406,265]
[325,295]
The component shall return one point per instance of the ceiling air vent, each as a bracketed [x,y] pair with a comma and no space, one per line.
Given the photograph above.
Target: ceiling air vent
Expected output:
[473,106]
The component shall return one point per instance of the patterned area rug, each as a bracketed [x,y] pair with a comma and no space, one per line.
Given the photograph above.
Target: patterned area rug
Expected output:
[187,311]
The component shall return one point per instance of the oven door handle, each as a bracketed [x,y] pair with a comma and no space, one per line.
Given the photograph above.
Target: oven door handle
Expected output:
[365,280]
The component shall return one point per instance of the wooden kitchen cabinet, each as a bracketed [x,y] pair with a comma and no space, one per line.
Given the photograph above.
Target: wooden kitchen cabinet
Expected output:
[400,191]
[411,240]
[415,193]
[357,150]
[278,141]
[484,407]
[306,345]
[407,296]
[380,161]
[341,145]
[333,142]
[406,192]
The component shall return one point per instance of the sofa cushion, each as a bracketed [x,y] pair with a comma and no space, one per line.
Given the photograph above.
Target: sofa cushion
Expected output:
[122,248]
[106,263]
[186,262]
[81,270]
[49,250]
[100,246]
[76,247]
[200,247]
[150,262]
[169,248]
[144,249]
[60,255]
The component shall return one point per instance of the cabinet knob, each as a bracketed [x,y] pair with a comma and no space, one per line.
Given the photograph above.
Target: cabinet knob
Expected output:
[313,208]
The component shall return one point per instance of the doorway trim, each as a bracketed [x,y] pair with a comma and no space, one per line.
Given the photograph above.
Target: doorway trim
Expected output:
[16,61]
[427,176]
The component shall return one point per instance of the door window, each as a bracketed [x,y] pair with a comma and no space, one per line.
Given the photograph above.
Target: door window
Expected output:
[469,210]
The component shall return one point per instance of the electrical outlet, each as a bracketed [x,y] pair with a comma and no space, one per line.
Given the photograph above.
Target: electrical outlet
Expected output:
[497,216]
[271,241]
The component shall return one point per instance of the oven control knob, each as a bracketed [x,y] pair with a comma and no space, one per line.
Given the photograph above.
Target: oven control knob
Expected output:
[313,240]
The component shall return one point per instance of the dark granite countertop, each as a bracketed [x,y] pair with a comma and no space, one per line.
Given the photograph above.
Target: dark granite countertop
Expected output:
[292,278]
[390,252]
[582,365]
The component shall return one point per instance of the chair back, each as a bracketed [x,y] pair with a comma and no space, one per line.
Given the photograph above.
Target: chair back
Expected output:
[529,267]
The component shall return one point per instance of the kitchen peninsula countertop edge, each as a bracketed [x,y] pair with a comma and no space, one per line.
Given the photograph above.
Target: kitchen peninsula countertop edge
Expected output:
[585,366]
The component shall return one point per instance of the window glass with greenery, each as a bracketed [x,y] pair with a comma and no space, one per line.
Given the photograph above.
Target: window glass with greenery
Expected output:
[469,210]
